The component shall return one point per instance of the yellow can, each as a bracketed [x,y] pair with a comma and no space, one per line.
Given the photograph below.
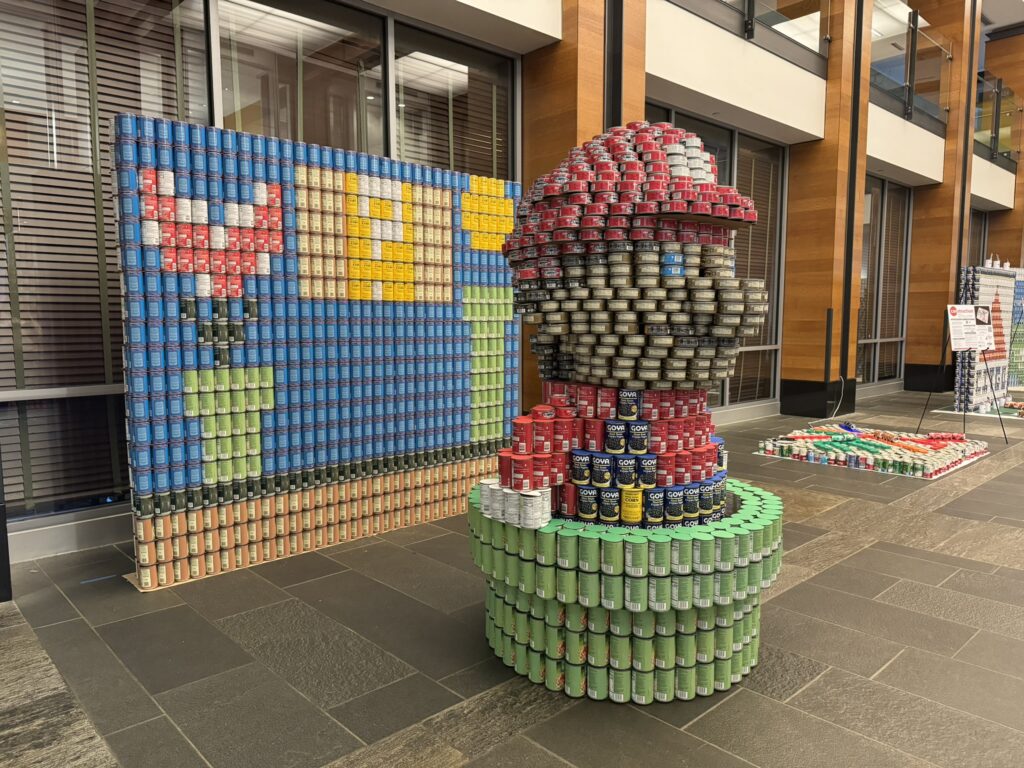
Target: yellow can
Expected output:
[632,506]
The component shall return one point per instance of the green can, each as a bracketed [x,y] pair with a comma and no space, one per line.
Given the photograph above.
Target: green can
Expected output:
[522,630]
[736,668]
[737,637]
[612,592]
[643,624]
[686,621]
[723,674]
[739,588]
[597,649]
[635,550]
[497,534]
[512,540]
[725,550]
[682,551]
[664,651]
[745,656]
[499,563]
[682,592]
[659,593]
[575,680]
[486,558]
[537,634]
[665,623]
[642,687]
[754,573]
[613,558]
[522,659]
[566,588]
[706,618]
[527,543]
[686,683]
[546,581]
[554,674]
[705,679]
[528,577]
[499,643]
[589,589]
[703,552]
[620,652]
[705,646]
[597,683]
[598,619]
[538,607]
[636,594]
[511,569]
[725,615]
[725,586]
[685,650]
[567,548]
[747,626]
[554,642]
[554,613]
[619,685]
[643,654]
[486,524]
[575,647]
[575,618]
[723,642]
[744,544]
[546,547]
[508,652]
[664,684]
[755,649]
[589,554]
[659,554]
[620,622]
[703,589]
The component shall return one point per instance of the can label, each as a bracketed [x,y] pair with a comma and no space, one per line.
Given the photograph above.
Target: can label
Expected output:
[629,404]
[581,467]
[639,437]
[610,504]
[625,471]
[602,466]
[675,503]
[593,434]
[654,507]
[615,436]
[647,470]
[631,505]
[588,502]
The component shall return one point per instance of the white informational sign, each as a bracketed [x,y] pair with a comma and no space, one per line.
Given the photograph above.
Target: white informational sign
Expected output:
[970,327]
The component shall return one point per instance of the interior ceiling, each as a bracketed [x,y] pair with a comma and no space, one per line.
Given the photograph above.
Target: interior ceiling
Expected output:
[1002,13]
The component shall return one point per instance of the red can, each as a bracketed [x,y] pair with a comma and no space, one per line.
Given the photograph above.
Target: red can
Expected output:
[541,471]
[682,403]
[607,401]
[650,405]
[559,468]
[522,435]
[565,411]
[562,435]
[586,401]
[593,434]
[168,234]
[522,473]
[696,467]
[542,412]
[666,470]
[667,406]
[543,435]
[556,499]
[165,207]
[684,461]
[505,467]
[558,400]
[675,436]
[577,432]
[659,437]
[567,508]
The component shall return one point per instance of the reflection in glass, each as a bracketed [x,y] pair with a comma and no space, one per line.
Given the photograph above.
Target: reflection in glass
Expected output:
[452,104]
[798,20]
[717,141]
[755,376]
[314,79]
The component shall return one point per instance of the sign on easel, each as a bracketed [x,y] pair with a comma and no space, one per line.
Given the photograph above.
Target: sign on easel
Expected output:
[970,327]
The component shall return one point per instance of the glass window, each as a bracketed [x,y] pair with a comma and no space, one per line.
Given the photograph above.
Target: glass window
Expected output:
[452,104]
[978,235]
[883,281]
[314,78]
[60,316]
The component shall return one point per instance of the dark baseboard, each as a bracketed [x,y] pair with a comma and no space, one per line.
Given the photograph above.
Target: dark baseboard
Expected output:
[815,400]
[928,378]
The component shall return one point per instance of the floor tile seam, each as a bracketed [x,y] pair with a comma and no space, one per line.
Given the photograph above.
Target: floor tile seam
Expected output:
[966,660]
[333,705]
[952,621]
[55,623]
[903,646]
[133,725]
[870,542]
[882,668]
[925,559]
[545,749]
[809,683]
[963,593]
[139,615]
[944,705]
[413,597]
[131,675]
[40,560]
[719,747]
[307,581]
[848,730]
[440,532]
[238,613]
[684,728]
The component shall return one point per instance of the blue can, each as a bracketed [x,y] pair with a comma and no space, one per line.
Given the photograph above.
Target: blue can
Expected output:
[126,153]
[674,503]
[614,436]
[609,505]
[626,471]
[647,470]
[654,507]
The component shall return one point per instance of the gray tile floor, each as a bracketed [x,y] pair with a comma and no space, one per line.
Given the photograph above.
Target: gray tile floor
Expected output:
[894,637]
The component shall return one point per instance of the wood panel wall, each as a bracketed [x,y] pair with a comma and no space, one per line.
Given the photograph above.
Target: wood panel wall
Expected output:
[563,104]
[936,226]
[817,209]
[1005,58]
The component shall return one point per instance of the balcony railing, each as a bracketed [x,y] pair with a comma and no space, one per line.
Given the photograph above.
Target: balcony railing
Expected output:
[997,122]
[911,65]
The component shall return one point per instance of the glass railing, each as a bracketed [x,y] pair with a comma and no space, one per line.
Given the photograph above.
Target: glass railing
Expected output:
[798,20]
[911,62]
[997,119]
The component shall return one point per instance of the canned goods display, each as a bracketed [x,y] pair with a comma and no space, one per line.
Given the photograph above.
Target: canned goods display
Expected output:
[629,614]
[357,308]
[927,456]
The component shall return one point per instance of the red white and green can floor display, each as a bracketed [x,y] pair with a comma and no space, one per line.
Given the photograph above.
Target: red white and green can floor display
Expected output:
[622,564]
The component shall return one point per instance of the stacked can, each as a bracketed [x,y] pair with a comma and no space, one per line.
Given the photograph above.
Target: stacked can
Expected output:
[998,289]
[298,318]
[623,258]
[629,615]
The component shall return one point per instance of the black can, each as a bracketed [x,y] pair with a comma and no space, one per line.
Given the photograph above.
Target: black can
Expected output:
[647,470]
[626,471]
[610,507]
[587,502]
[639,441]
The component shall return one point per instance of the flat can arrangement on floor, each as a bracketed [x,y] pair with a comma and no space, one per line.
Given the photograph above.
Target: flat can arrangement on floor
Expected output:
[630,615]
